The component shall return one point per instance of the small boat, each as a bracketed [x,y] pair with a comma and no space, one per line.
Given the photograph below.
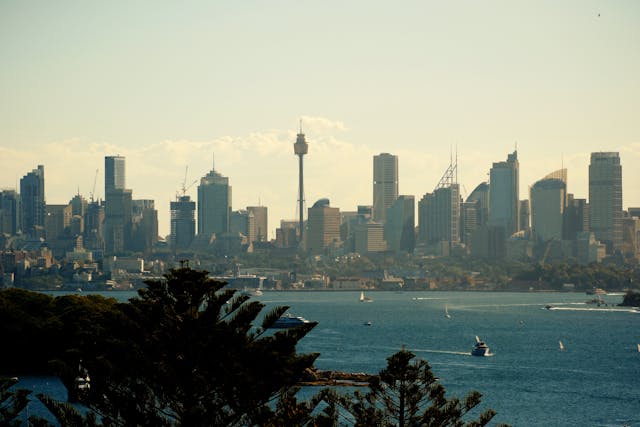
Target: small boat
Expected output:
[368,323]
[480,348]
[288,320]
[251,292]
[446,312]
[364,298]
[561,346]
[638,348]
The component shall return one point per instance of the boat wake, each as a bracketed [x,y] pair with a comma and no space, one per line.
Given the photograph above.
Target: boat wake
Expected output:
[458,353]
[609,310]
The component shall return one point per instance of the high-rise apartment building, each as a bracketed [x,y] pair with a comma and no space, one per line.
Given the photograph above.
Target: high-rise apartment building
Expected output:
[548,202]
[33,201]
[605,199]
[323,226]
[385,184]
[399,228]
[114,176]
[183,223]
[214,204]
[504,195]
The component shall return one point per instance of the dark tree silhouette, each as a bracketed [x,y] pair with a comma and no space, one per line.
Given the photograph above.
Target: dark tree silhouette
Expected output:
[406,393]
[186,352]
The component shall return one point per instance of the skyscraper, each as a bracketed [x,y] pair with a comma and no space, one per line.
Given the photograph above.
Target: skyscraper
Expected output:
[324,226]
[261,217]
[144,226]
[399,228]
[548,202]
[33,201]
[385,184]
[439,216]
[214,204]
[117,219]
[10,212]
[504,195]
[114,177]
[183,223]
[605,199]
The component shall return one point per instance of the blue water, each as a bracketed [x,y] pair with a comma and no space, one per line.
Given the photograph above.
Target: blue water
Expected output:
[595,381]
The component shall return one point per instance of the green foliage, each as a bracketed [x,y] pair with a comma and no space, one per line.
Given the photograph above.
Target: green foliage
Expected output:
[12,402]
[180,354]
[631,299]
[406,393]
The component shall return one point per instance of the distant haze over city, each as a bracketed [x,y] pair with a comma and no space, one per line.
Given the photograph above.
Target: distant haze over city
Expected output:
[173,86]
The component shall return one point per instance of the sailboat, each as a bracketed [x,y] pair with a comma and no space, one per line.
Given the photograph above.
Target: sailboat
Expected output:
[446,312]
[561,345]
[364,298]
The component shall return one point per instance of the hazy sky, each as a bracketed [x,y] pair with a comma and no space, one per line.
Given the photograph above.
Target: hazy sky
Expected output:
[168,84]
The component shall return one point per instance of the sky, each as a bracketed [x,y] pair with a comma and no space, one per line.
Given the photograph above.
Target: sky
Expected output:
[177,86]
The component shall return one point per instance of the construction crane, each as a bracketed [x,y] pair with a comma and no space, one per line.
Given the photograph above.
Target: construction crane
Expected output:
[185,187]
[95,178]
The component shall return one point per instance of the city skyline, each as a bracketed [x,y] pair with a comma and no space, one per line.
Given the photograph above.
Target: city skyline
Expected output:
[350,206]
[168,86]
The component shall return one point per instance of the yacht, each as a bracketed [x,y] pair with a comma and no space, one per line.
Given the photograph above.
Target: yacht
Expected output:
[364,298]
[480,348]
[288,320]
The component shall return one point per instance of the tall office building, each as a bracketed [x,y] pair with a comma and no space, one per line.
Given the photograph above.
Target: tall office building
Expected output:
[93,236]
[385,184]
[504,195]
[481,195]
[243,222]
[144,226]
[114,177]
[10,212]
[323,223]
[525,216]
[183,223]
[439,216]
[605,199]
[117,221]
[57,218]
[214,204]
[118,205]
[399,228]
[548,202]
[33,201]
[261,218]
[576,218]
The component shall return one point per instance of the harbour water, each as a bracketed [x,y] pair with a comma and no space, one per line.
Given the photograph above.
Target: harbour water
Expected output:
[529,381]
